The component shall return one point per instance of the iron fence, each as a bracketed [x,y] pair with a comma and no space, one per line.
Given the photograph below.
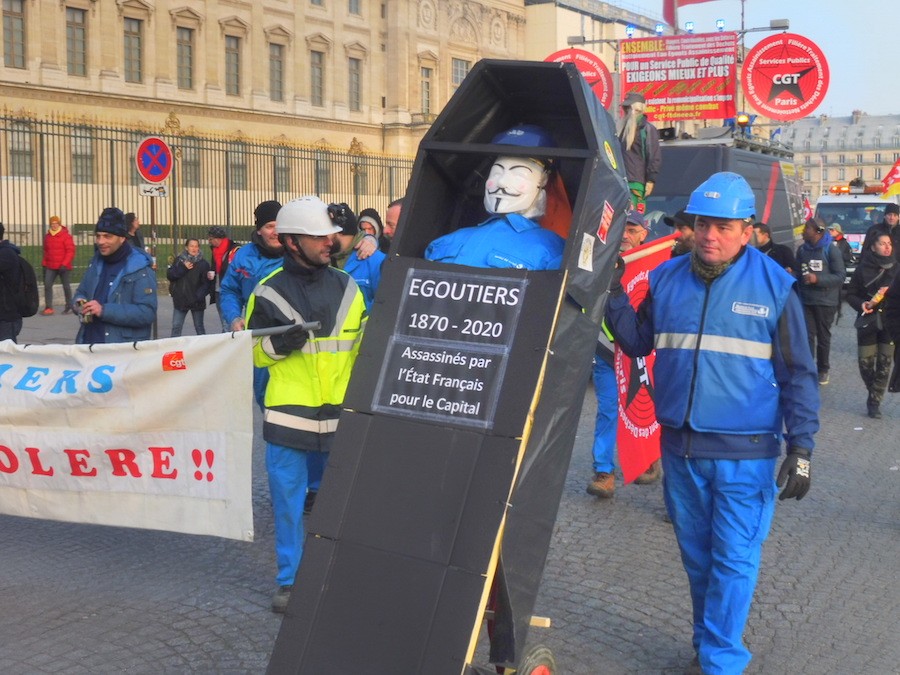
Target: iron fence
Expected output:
[75,170]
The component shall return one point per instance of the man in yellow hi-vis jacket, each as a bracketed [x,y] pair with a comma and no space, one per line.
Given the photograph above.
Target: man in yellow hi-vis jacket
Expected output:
[308,370]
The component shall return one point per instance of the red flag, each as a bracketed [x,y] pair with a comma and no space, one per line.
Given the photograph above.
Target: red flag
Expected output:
[891,182]
[807,209]
[670,8]
[637,437]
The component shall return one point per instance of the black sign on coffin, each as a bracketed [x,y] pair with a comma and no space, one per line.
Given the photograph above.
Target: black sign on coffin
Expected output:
[410,509]
[450,347]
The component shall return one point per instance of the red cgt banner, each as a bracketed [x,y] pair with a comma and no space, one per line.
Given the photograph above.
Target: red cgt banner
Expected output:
[638,432]
[683,77]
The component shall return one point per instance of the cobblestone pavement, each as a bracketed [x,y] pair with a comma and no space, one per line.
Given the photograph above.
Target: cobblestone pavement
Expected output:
[91,599]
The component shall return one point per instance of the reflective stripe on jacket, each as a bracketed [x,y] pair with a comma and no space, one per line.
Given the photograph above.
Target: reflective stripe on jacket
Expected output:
[718,338]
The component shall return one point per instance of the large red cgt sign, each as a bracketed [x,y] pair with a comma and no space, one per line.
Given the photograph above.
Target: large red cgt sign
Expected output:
[785,77]
[592,69]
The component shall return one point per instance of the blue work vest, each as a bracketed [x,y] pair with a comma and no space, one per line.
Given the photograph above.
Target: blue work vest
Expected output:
[714,345]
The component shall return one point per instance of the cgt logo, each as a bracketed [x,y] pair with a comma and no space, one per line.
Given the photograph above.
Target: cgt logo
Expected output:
[173,361]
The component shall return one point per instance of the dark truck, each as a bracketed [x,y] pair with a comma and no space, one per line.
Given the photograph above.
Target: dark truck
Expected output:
[769,168]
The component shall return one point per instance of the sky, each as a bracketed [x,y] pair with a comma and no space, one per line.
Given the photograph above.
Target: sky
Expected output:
[858,37]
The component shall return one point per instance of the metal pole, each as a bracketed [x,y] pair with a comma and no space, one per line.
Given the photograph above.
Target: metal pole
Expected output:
[278,330]
[153,253]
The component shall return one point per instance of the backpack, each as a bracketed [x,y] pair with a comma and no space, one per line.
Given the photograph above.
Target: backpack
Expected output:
[26,296]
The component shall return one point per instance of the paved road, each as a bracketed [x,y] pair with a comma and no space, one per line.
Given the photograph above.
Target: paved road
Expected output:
[89,599]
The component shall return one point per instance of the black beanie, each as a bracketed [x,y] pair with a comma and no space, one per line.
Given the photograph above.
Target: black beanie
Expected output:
[266,212]
[112,220]
[891,208]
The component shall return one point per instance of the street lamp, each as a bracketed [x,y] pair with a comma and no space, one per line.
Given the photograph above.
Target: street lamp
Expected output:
[574,40]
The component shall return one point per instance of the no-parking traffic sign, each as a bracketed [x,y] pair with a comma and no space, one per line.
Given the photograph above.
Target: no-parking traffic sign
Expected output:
[153,159]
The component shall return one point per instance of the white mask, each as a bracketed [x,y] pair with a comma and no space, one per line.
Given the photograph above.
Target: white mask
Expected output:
[514,185]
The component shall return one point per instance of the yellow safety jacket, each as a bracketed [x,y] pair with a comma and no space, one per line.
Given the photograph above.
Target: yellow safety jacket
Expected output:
[306,387]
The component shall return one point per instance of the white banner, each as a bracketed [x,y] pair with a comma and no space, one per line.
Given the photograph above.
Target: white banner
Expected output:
[154,435]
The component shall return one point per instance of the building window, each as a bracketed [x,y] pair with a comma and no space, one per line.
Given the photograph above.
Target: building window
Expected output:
[276,72]
[14,33]
[184,38]
[232,65]
[82,156]
[842,144]
[807,175]
[282,171]
[877,141]
[426,75]
[323,175]
[806,145]
[317,3]
[458,72]
[824,174]
[134,50]
[354,96]
[190,165]
[237,167]
[807,159]
[76,41]
[317,78]
[859,159]
[354,7]
[877,173]
[21,156]
[878,158]
[842,174]
[841,159]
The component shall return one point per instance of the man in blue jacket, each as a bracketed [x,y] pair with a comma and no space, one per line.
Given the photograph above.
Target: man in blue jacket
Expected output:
[733,378]
[117,296]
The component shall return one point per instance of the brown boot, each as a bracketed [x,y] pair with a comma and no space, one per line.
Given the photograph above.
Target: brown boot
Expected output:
[603,485]
[651,475]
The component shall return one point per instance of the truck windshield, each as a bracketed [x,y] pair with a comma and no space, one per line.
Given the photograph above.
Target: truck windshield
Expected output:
[855,218]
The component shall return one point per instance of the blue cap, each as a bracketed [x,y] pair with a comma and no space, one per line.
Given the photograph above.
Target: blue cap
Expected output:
[525,135]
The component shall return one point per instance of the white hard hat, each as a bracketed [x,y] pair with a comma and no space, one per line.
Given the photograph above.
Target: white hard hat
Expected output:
[305,215]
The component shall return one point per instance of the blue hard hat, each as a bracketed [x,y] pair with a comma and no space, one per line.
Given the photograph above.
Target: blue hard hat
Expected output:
[723,195]
[525,135]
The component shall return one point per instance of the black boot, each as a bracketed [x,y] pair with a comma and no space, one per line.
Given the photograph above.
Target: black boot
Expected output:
[872,404]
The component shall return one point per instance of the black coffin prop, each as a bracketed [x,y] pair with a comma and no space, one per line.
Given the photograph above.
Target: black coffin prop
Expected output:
[450,458]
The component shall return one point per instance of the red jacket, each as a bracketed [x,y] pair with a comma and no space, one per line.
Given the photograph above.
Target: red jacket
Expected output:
[59,250]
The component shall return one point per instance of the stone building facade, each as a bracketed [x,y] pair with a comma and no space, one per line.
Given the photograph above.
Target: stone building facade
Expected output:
[316,72]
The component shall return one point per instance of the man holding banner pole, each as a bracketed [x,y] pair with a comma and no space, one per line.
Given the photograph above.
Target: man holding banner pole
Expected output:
[734,377]
[309,368]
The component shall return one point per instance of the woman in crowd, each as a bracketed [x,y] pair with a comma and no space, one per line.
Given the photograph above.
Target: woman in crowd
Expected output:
[866,293]
[190,282]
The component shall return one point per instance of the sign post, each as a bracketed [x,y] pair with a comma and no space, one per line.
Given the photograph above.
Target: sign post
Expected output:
[153,160]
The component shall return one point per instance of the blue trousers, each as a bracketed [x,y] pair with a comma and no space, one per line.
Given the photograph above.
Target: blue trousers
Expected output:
[178,316]
[288,480]
[607,416]
[315,465]
[721,511]
[260,382]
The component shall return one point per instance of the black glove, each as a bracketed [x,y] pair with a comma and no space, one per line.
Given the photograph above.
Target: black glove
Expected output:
[344,218]
[795,470]
[615,283]
[290,340]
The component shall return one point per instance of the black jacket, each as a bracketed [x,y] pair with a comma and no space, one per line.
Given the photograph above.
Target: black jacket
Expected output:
[189,287]
[9,281]
[870,275]
[781,254]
